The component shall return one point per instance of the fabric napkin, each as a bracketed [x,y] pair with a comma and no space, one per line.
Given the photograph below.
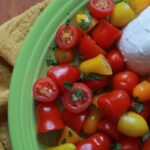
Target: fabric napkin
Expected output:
[12,35]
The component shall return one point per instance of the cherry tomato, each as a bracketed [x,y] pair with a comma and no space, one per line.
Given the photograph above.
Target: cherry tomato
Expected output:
[126,81]
[89,48]
[49,118]
[74,120]
[68,36]
[116,61]
[97,84]
[114,104]
[45,90]
[64,57]
[105,34]
[98,141]
[146,145]
[101,8]
[109,127]
[62,74]
[78,98]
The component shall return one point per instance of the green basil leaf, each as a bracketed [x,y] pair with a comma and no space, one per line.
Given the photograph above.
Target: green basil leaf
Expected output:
[68,85]
[117,146]
[145,137]
[139,107]
[93,76]
[117,1]
[51,61]
[74,97]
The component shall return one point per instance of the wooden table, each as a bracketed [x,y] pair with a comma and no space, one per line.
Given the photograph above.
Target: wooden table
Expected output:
[11,8]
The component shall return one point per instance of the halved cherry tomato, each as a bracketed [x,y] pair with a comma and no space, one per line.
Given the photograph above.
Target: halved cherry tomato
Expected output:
[64,57]
[89,48]
[116,61]
[49,118]
[78,98]
[98,141]
[101,8]
[74,120]
[68,36]
[146,145]
[126,81]
[45,90]
[62,74]
[114,104]
[97,84]
[105,34]
[110,128]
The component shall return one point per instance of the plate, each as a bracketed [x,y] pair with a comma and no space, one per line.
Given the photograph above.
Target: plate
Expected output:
[30,65]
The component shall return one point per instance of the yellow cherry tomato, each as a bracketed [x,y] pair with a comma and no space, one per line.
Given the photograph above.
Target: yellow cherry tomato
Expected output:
[132,124]
[142,91]
[122,14]
[69,136]
[98,64]
[91,123]
[138,5]
[63,147]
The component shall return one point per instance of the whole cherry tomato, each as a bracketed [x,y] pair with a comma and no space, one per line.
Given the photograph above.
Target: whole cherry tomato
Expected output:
[126,81]
[98,141]
[64,57]
[68,36]
[114,104]
[78,99]
[89,48]
[110,128]
[62,74]
[101,8]
[105,34]
[146,145]
[116,61]
[49,118]
[74,120]
[45,90]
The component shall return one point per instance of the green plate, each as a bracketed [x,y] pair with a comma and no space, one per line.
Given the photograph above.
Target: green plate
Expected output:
[30,65]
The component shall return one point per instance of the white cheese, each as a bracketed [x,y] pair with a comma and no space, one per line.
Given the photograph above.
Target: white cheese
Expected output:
[135,43]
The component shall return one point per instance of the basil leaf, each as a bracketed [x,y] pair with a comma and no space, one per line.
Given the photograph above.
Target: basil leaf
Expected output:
[145,137]
[68,85]
[51,61]
[74,97]
[117,1]
[139,107]
[117,146]
[93,76]
[78,94]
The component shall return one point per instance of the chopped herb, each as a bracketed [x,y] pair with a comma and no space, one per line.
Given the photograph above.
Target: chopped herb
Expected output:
[126,1]
[93,76]
[81,76]
[84,25]
[116,146]
[68,85]
[78,94]
[63,141]
[70,133]
[117,1]
[145,137]
[53,47]
[139,107]
[67,23]
[51,61]
[74,97]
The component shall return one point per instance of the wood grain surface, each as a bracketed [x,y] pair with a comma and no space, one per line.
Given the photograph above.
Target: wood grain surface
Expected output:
[11,8]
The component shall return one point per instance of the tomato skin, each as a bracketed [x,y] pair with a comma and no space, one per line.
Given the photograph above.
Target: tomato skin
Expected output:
[105,34]
[126,81]
[64,57]
[74,120]
[63,73]
[116,60]
[95,142]
[81,103]
[110,128]
[45,90]
[49,118]
[73,39]
[146,145]
[109,102]
[99,11]
[89,49]
[97,84]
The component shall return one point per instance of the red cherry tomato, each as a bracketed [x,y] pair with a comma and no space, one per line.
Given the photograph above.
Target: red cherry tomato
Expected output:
[64,73]
[146,145]
[68,36]
[89,48]
[45,90]
[101,8]
[98,141]
[114,104]
[74,120]
[126,81]
[78,98]
[105,34]
[110,128]
[97,84]
[116,60]
[49,118]
[64,57]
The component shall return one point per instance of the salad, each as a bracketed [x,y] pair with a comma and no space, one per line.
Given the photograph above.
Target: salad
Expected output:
[89,93]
